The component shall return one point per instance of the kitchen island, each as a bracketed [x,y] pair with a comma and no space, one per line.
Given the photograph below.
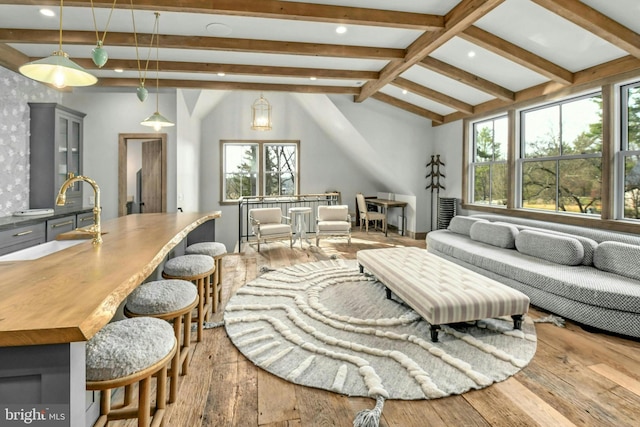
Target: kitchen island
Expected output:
[49,308]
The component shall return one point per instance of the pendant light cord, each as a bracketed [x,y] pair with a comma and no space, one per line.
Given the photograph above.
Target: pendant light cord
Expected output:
[95,24]
[141,76]
[60,43]
[157,27]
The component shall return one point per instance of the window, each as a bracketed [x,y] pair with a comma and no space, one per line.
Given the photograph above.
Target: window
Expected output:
[490,144]
[629,204]
[258,168]
[561,156]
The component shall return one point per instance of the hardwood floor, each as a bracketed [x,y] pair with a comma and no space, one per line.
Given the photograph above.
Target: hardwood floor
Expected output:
[577,377]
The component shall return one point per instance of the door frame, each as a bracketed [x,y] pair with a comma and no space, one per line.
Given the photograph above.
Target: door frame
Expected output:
[123,139]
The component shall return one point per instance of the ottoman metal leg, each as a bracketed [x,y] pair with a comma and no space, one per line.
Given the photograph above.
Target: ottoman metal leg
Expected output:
[434,332]
[517,321]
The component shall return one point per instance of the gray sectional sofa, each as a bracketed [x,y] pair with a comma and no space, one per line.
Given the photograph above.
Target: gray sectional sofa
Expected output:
[587,275]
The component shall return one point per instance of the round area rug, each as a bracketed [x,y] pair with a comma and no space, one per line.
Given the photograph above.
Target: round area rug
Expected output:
[326,325]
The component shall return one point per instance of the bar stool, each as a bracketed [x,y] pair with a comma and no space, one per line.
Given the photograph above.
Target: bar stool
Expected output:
[196,269]
[127,352]
[171,300]
[216,251]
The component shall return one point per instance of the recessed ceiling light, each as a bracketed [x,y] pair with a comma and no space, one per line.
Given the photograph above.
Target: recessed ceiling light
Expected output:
[341,29]
[218,29]
[221,74]
[118,70]
[312,78]
[471,54]
[47,12]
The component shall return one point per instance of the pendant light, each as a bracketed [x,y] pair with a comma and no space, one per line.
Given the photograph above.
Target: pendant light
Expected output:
[141,91]
[58,69]
[157,120]
[99,55]
[261,114]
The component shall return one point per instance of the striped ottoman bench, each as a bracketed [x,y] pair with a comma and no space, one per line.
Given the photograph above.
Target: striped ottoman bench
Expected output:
[441,291]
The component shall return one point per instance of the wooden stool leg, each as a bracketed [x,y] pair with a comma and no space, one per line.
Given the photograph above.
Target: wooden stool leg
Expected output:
[175,362]
[161,389]
[201,304]
[144,401]
[187,342]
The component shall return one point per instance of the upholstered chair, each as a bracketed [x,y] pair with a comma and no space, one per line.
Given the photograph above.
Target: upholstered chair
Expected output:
[333,221]
[270,224]
[366,215]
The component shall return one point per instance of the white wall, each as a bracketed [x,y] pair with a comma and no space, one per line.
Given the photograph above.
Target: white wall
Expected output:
[187,152]
[108,115]
[398,142]
[449,144]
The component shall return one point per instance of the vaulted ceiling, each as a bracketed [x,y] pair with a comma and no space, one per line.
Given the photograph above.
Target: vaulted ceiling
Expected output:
[441,59]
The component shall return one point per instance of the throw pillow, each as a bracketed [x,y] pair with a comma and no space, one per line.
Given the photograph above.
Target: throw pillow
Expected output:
[551,247]
[588,245]
[618,258]
[500,235]
[462,224]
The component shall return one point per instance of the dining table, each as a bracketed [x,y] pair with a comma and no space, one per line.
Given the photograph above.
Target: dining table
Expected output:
[385,204]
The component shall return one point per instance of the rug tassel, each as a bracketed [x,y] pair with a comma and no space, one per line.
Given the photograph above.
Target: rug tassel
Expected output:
[370,417]
[556,320]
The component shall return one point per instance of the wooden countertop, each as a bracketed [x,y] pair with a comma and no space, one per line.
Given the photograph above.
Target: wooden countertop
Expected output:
[70,295]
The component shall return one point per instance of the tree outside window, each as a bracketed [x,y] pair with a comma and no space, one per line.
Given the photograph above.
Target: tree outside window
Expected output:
[561,167]
[490,161]
[258,168]
[630,150]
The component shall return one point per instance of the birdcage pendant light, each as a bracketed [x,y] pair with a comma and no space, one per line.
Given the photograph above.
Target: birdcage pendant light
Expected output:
[261,114]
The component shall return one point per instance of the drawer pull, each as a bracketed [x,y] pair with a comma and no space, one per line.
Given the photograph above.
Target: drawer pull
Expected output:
[62,224]
[23,233]
[89,218]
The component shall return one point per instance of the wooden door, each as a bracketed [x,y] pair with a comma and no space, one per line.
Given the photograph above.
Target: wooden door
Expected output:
[151,177]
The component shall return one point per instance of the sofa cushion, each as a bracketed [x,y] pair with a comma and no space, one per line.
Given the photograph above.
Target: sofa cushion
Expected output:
[551,247]
[500,235]
[618,258]
[462,224]
[333,213]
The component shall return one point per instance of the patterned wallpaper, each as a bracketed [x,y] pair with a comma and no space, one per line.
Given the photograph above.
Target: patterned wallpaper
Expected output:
[15,92]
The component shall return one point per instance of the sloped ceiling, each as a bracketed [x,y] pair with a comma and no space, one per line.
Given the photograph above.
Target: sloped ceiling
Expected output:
[441,59]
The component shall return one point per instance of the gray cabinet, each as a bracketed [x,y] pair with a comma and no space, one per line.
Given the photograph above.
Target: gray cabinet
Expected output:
[55,151]
[60,225]
[17,238]
[84,219]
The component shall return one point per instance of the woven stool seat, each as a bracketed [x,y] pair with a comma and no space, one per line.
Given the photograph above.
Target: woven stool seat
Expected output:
[161,297]
[215,250]
[171,300]
[127,352]
[198,269]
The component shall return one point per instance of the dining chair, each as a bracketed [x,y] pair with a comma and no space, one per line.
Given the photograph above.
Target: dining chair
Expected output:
[366,215]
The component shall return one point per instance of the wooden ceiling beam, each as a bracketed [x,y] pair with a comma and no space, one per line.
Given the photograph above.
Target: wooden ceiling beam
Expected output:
[609,72]
[215,85]
[272,9]
[10,58]
[516,54]
[460,17]
[433,95]
[395,102]
[467,78]
[234,69]
[595,22]
[8,35]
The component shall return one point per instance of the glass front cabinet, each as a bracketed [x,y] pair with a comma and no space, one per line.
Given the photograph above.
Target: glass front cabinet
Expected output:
[55,152]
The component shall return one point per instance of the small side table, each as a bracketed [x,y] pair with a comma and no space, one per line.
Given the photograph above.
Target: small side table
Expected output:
[299,214]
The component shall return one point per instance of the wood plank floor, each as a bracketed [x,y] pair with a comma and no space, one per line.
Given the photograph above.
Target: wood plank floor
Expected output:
[577,377]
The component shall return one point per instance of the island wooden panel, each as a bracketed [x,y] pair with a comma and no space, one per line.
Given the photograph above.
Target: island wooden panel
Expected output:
[69,295]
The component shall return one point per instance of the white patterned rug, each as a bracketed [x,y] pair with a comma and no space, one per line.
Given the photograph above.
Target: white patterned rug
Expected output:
[325,325]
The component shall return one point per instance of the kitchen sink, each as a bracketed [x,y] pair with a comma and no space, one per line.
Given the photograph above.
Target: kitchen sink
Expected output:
[39,251]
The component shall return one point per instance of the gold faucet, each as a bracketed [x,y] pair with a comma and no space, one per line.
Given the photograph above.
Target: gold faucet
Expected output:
[62,198]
